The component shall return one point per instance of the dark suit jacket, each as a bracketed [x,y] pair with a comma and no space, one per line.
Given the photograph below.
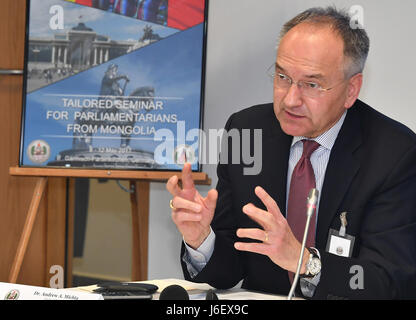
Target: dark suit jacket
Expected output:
[371,174]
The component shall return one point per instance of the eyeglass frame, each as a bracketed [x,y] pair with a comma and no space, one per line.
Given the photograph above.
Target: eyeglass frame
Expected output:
[274,74]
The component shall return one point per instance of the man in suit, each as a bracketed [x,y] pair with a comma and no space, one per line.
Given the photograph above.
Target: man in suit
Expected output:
[362,163]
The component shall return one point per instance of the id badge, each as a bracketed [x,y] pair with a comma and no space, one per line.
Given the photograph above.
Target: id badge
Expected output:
[339,242]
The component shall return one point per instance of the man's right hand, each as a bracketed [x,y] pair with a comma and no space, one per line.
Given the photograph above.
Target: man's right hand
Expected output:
[192,214]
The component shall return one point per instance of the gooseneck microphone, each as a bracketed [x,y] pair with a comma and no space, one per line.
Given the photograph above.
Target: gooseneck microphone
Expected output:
[211,295]
[310,208]
[174,292]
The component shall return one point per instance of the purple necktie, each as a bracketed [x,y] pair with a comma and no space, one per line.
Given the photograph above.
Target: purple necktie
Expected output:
[303,180]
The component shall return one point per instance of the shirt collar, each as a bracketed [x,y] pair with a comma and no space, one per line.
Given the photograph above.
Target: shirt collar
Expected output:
[327,139]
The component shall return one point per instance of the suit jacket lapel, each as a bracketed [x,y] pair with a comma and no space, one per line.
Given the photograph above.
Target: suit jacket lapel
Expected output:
[276,153]
[342,167]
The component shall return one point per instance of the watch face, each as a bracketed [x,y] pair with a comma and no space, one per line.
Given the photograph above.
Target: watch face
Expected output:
[315,266]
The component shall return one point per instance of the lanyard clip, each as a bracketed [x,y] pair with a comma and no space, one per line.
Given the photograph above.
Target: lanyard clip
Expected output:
[343,218]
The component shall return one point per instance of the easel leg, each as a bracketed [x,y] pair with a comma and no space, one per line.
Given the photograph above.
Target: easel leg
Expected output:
[27,229]
[140,232]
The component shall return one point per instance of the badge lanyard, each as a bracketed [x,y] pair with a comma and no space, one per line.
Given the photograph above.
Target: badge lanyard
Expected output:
[339,242]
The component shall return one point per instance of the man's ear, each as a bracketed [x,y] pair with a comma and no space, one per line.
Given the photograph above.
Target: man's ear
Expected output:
[354,87]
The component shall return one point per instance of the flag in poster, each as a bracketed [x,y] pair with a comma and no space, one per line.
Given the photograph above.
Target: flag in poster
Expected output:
[113,84]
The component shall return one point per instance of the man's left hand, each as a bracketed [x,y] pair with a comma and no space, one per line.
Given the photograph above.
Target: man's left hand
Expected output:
[278,241]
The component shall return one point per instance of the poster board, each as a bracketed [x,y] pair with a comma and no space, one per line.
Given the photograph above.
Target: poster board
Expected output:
[113,84]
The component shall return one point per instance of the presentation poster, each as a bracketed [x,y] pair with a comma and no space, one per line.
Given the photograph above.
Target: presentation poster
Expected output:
[114,84]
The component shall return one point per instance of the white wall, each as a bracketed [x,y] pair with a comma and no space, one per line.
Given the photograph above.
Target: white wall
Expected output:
[241,46]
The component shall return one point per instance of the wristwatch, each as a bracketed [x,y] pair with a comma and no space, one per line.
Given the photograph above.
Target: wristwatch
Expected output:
[313,266]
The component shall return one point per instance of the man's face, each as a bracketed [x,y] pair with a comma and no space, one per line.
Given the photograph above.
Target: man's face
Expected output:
[313,54]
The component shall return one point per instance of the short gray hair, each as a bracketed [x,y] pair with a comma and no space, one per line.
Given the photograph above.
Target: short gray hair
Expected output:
[356,41]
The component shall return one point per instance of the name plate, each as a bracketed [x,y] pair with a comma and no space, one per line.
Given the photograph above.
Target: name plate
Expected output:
[11,291]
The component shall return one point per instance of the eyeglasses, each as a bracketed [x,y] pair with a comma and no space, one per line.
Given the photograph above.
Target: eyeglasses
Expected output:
[307,88]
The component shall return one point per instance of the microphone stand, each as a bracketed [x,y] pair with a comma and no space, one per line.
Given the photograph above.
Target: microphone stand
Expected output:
[311,204]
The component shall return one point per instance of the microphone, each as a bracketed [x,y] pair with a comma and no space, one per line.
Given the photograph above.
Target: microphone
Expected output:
[174,292]
[310,208]
[211,295]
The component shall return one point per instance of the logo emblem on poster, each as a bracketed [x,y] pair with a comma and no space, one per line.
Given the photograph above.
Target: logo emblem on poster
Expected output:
[183,154]
[38,151]
[12,295]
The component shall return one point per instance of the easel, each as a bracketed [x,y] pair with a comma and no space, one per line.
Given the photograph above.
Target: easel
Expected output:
[139,198]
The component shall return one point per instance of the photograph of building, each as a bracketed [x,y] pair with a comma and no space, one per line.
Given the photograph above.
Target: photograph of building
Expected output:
[76,50]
